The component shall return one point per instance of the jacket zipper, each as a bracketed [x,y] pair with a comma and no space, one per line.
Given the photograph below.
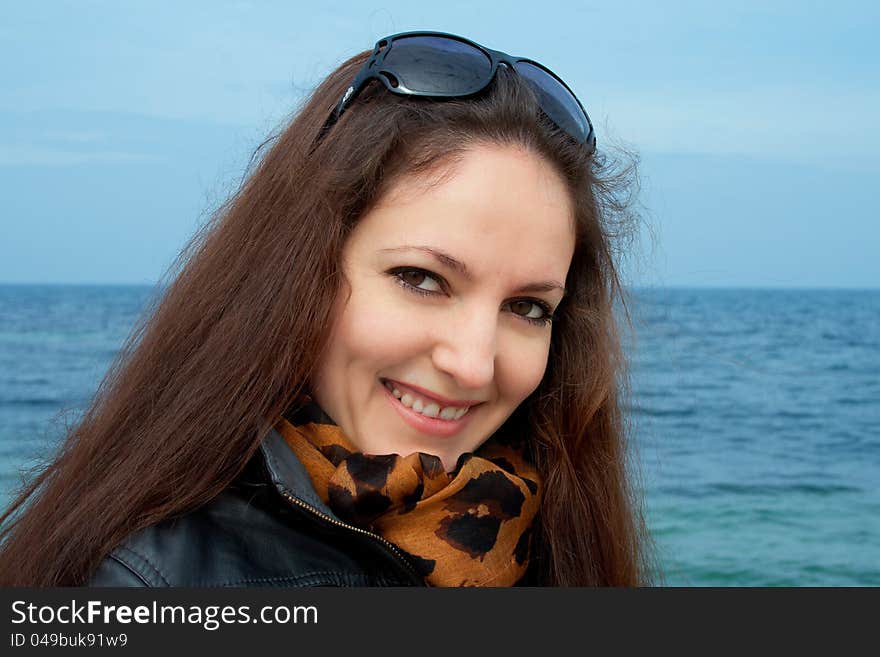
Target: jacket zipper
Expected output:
[333,521]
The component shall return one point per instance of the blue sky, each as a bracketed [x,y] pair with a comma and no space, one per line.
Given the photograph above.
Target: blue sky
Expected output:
[122,125]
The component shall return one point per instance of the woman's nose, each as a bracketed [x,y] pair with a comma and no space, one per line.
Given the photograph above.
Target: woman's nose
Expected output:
[466,350]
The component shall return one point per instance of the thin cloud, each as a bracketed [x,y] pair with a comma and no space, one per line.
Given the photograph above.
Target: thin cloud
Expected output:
[12,156]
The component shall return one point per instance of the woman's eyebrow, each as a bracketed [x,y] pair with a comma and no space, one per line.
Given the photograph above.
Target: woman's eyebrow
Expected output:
[458,266]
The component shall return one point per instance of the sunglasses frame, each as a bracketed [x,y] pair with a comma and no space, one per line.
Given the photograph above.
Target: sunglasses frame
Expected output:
[373,69]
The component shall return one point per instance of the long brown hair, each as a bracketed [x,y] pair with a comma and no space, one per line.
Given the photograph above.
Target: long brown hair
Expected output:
[237,333]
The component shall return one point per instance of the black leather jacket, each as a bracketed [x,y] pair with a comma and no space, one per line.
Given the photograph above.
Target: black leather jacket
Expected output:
[269,528]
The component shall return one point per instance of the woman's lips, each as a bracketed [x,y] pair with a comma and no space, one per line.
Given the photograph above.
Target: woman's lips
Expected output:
[428,395]
[423,423]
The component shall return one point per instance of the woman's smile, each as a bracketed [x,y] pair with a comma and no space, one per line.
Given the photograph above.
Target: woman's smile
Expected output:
[426,416]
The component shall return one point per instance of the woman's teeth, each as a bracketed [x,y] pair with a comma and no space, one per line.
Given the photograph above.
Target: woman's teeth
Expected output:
[429,409]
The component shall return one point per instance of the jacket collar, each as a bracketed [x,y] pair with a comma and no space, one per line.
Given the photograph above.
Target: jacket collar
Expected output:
[288,474]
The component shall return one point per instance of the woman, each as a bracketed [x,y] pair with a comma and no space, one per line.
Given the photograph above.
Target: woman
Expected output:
[390,360]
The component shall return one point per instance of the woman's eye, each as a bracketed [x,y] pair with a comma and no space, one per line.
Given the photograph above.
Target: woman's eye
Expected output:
[419,280]
[526,309]
[529,310]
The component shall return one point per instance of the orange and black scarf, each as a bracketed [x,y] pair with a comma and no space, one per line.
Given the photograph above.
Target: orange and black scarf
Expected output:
[469,527]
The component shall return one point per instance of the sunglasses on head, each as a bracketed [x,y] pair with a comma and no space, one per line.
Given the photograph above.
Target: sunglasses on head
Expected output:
[440,65]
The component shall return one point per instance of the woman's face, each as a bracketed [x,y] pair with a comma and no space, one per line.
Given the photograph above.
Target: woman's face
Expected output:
[449,280]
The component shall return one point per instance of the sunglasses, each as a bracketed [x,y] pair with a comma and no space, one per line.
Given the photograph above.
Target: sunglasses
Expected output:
[440,65]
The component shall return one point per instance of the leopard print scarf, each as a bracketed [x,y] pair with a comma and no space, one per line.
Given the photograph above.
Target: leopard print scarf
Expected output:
[470,527]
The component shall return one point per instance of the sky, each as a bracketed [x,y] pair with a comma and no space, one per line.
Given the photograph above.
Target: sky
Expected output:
[124,125]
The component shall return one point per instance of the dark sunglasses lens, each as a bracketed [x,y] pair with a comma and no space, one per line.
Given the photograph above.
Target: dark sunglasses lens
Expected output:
[556,101]
[437,65]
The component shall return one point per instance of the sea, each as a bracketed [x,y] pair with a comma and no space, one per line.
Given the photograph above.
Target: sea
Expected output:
[754,419]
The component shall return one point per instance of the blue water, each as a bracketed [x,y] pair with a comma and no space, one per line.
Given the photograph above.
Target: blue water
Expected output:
[756,415]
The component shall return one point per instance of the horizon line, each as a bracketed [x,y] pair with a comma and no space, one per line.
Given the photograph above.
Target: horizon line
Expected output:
[677,286]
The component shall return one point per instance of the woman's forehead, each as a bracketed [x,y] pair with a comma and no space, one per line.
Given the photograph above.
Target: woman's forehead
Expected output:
[481,172]
[501,205]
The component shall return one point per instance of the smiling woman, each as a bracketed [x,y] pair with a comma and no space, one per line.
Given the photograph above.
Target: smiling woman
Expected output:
[390,359]
[434,308]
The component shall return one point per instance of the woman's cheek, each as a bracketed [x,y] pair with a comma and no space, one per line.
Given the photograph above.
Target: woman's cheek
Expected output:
[525,361]
[383,321]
